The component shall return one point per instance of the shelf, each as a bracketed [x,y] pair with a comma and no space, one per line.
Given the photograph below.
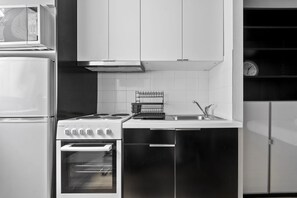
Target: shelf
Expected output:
[270,27]
[270,40]
[271,77]
[271,48]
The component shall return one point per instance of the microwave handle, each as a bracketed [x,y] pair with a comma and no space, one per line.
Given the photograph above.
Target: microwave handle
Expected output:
[69,148]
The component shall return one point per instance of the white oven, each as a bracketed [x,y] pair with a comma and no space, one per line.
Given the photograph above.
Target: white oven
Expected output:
[88,168]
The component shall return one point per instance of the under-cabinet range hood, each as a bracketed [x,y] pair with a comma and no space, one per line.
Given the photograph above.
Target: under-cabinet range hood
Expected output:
[112,66]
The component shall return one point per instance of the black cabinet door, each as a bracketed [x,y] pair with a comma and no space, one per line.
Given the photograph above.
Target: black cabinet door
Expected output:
[148,171]
[206,163]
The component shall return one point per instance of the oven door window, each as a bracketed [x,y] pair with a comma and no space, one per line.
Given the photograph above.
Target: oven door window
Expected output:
[88,168]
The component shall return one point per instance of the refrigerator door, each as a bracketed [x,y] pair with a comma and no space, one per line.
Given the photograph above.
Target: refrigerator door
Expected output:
[284,147]
[26,87]
[26,153]
[255,147]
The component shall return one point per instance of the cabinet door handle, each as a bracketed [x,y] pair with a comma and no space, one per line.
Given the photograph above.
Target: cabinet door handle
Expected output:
[198,129]
[185,59]
[162,129]
[162,145]
[180,59]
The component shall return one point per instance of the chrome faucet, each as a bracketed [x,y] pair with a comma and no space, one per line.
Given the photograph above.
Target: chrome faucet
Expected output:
[206,109]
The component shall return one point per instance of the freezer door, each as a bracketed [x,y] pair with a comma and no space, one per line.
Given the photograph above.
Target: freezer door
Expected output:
[26,153]
[255,147]
[26,87]
[284,147]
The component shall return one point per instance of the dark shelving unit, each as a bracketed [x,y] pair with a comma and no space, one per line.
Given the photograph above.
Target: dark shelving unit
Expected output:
[270,40]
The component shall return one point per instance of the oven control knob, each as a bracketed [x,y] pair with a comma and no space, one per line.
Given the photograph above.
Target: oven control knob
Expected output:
[67,131]
[81,131]
[108,131]
[89,131]
[74,131]
[99,131]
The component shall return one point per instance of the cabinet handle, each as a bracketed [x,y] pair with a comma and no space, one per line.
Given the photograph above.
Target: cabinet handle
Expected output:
[180,59]
[162,145]
[198,129]
[162,129]
[185,59]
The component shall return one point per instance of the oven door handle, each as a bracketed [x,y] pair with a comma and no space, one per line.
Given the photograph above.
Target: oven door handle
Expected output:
[70,148]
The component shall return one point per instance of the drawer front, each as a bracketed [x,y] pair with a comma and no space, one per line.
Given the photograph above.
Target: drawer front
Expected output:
[147,136]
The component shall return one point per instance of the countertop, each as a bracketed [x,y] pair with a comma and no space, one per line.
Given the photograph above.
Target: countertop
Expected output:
[181,124]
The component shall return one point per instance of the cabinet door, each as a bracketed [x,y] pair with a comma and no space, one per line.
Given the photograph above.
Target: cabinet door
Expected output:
[284,147]
[124,29]
[203,29]
[255,147]
[148,171]
[207,163]
[92,30]
[161,30]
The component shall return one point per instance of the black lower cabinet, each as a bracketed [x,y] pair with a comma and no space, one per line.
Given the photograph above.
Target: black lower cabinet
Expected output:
[180,164]
[207,163]
[148,165]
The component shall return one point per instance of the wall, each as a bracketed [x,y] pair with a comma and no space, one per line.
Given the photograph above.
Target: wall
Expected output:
[117,91]
[220,77]
[238,60]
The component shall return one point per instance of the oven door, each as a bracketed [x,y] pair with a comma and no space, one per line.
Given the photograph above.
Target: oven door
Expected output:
[87,169]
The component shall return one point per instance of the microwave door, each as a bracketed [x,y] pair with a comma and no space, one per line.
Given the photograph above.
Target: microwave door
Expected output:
[13,25]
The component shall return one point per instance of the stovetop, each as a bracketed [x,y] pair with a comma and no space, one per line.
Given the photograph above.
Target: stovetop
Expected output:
[103,116]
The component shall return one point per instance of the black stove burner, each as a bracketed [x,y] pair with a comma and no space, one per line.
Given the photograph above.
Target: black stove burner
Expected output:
[88,118]
[120,114]
[111,118]
[101,114]
[94,116]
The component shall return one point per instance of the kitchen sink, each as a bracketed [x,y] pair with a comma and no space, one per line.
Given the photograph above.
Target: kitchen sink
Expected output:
[195,117]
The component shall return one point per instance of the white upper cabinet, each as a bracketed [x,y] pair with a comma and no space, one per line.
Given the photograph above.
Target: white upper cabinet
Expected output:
[108,30]
[150,30]
[124,29]
[203,29]
[182,29]
[161,30]
[92,30]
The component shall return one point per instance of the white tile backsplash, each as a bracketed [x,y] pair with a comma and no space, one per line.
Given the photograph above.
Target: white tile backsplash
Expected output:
[116,92]
[108,96]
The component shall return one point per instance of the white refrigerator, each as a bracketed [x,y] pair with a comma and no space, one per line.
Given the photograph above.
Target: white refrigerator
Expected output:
[27,119]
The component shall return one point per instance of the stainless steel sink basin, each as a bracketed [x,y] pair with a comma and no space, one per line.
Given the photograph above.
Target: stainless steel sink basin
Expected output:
[195,117]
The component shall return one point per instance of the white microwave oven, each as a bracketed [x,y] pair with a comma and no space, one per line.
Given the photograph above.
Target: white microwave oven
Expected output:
[26,27]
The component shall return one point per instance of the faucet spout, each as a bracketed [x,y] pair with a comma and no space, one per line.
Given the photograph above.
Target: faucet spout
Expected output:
[207,109]
[204,113]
